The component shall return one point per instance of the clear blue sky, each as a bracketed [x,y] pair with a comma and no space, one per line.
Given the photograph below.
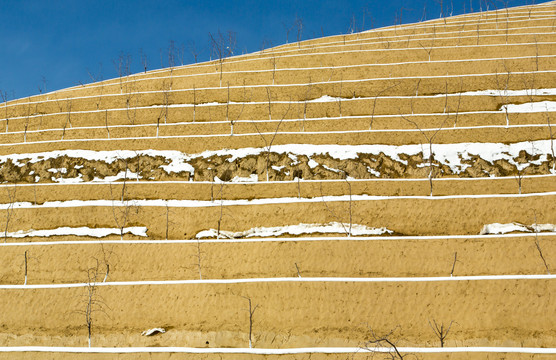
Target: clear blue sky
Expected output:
[59,42]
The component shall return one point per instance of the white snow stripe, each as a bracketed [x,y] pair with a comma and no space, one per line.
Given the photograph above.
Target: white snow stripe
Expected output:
[88,87]
[253,202]
[264,351]
[77,231]
[295,279]
[279,239]
[325,98]
[272,85]
[133,182]
[364,131]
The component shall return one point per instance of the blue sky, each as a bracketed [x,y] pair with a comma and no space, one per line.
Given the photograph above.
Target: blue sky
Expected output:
[61,43]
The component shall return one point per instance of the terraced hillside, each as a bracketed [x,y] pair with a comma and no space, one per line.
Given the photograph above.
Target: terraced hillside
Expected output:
[339,190]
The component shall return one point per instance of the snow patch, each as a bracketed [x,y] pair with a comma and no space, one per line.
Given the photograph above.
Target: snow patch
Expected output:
[330,228]
[531,107]
[238,179]
[154,331]
[79,231]
[497,228]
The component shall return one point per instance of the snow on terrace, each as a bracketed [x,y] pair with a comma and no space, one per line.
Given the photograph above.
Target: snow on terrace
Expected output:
[330,228]
[458,157]
[78,231]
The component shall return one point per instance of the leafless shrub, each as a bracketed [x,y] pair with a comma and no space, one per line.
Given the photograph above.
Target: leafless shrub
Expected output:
[106,255]
[503,93]
[297,268]
[375,100]
[68,118]
[381,342]
[268,144]
[192,50]
[199,258]
[547,113]
[287,29]
[93,302]
[333,214]
[10,209]
[299,27]
[144,60]
[430,139]
[441,331]
[459,102]
[123,67]
[121,213]
[519,179]
[251,311]
[26,259]
[307,94]
[106,122]
[4,96]
[454,263]
[538,244]
[222,46]
[233,121]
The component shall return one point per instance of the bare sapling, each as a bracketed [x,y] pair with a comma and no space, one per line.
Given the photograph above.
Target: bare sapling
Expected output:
[519,179]
[538,244]
[228,105]
[478,30]
[4,96]
[333,214]
[94,303]
[268,144]
[10,208]
[551,139]
[199,258]
[168,221]
[25,267]
[503,93]
[287,29]
[307,94]
[106,123]
[428,50]
[459,102]
[194,102]
[26,125]
[536,54]
[68,118]
[430,139]
[123,67]
[299,27]
[350,203]
[144,60]
[273,61]
[222,45]
[122,212]
[106,255]
[441,332]
[251,311]
[164,109]
[269,99]
[446,108]
[297,268]
[233,121]
[221,215]
[192,50]
[298,174]
[385,341]
[375,100]
[340,97]
[454,263]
